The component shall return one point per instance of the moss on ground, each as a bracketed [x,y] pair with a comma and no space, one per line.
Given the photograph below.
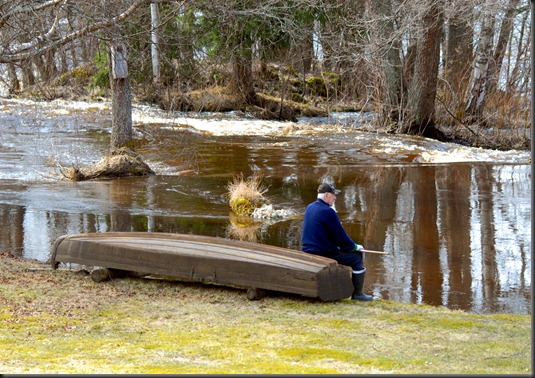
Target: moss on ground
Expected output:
[63,322]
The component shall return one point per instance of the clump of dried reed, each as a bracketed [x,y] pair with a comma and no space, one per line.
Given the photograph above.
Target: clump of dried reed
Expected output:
[246,194]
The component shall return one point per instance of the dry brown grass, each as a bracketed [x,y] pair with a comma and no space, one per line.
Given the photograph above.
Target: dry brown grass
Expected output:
[246,194]
[504,123]
[244,228]
[120,163]
[60,321]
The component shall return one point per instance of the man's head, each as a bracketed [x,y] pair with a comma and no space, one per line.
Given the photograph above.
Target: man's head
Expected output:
[327,192]
[327,188]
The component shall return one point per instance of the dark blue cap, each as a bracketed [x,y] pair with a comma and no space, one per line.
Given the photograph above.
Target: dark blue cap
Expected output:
[327,188]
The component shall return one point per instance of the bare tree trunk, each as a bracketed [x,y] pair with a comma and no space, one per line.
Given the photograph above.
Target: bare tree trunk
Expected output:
[155,21]
[13,80]
[458,53]
[514,73]
[327,51]
[121,134]
[407,72]
[185,66]
[389,58]
[50,68]
[64,64]
[352,68]
[84,49]
[302,54]
[423,86]
[242,78]
[478,85]
[74,56]
[40,65]
[307,51]
[242,66]
[495,64]
[28,77]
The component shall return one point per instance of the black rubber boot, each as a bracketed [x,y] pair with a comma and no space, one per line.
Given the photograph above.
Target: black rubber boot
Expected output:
[358,283]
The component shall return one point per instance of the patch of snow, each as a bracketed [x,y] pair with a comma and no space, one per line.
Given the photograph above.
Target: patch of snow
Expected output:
[268,212]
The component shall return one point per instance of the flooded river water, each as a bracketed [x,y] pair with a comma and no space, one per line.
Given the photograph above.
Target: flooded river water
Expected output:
[456,221]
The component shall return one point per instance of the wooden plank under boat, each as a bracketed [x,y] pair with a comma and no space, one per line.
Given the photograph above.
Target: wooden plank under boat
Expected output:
[208,259]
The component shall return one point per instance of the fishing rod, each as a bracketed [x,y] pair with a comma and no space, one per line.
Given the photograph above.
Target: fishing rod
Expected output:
[371,251]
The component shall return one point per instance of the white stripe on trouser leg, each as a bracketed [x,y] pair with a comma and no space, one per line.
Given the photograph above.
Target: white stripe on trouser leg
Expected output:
[359,271]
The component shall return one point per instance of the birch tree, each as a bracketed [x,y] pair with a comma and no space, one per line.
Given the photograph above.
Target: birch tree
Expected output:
[477,93]
[155,54]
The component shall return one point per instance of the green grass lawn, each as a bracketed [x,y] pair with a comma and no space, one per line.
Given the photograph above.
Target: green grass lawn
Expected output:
[63,322]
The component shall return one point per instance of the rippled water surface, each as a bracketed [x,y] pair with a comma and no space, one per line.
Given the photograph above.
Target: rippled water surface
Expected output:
[456,221]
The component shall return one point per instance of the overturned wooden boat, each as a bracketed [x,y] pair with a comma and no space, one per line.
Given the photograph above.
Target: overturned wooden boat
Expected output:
[256,267]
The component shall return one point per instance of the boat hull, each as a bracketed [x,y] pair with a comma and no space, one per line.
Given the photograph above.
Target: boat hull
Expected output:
[208,259]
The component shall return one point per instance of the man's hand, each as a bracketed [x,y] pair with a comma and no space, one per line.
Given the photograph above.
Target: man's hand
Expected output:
[358,247]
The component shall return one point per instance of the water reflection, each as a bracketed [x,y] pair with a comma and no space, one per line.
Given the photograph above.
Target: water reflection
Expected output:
[458,235]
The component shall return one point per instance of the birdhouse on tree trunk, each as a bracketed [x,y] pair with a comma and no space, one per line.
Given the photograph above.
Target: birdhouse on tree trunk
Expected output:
[119,65]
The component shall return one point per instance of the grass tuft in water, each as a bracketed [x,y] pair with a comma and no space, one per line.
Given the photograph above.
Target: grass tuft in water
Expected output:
[246,194]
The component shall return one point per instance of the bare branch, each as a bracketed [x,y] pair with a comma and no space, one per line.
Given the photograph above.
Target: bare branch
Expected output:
[30,49]
[28,9]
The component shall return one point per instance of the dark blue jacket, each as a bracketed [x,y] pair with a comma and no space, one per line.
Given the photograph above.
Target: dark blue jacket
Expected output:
[323,233]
